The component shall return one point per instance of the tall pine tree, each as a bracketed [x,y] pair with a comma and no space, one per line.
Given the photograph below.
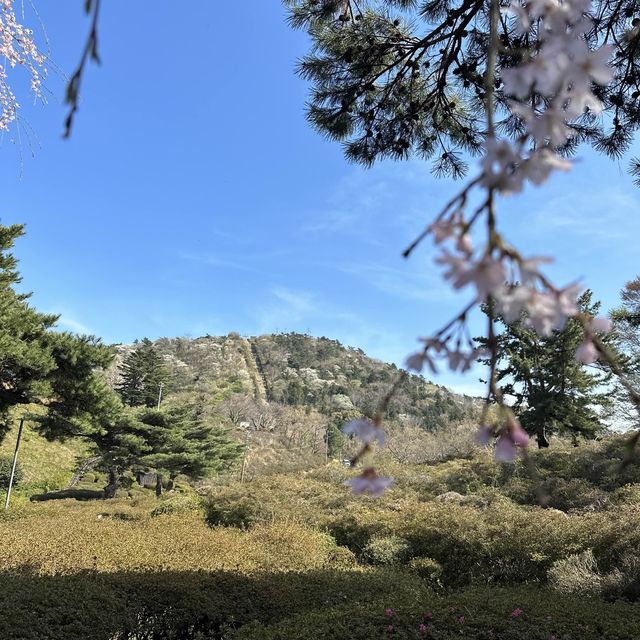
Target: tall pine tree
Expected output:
[552,391]
[626,320]
[395,78]
[38,365]
[142,373]
[182,442]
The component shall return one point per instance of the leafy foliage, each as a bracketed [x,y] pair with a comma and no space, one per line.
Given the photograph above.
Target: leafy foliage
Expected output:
[5,473]
[553,392]
[391,78]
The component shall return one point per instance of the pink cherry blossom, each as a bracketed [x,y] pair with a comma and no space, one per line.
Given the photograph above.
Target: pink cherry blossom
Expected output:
[601,325]
[422,628]
[365,430]
[505,450]
[587,352]
[487,275]
[389,612]
[518,435]
[516,613]
[369,482]
[483,436]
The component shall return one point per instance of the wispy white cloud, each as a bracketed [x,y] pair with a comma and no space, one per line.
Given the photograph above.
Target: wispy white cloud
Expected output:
[218,261]
[421,283]
[69,323]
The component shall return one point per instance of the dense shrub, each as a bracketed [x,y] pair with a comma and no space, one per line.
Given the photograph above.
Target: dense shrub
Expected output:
[66,538]
[428,569]
[486,614]
[386,550]
[478,538]
[5,473]
[576,574]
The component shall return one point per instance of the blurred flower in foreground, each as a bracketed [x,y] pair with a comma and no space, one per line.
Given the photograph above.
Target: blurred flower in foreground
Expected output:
[369,482]
[365,430]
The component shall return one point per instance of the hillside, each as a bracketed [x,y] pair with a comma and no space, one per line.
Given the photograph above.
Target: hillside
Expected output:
[299,370]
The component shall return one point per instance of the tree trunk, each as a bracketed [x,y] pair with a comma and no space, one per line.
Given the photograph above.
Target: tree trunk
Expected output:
[112,486]
[82,470]
[158,485]
[543,443]
[171,484]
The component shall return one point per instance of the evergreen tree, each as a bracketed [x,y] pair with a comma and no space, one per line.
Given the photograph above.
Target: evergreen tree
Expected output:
[552,391]
[335,440]
[38,365]
[626,320]
[391,78]
[142,373]
[182,442]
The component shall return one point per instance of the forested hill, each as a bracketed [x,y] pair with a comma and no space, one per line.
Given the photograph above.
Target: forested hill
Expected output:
[298,370]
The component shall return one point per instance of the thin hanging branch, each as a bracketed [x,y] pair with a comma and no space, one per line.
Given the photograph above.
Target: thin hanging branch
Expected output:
[90,51]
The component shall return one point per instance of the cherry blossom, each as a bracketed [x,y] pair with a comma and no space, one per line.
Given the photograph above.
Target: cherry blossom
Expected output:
[487,274]
[483,435]
[512,440]
[369,482]
[587,352]
[365,430]
[602,325]
[18,49]
[505,450]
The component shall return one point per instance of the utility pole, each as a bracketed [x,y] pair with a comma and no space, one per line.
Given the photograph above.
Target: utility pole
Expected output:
[15,461]
[160,395]
[244,457]
[326,446]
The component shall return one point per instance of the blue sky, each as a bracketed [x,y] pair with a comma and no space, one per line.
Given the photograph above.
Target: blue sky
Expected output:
[193,197]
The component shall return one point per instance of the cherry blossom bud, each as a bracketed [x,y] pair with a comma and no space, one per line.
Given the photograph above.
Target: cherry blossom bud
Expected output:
[464,244]
[369,482]
[483,436]
[587,352]
[505,449]
[364,429]
[601,324]
[415,362]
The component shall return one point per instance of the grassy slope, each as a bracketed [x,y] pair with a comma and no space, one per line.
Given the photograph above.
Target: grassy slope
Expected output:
[45,465]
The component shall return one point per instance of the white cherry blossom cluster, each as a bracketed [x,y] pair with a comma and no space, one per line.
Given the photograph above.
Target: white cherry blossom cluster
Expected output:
[457,358]
[588,351]
[368,432]
[512,440]
[17,48]
[551,87]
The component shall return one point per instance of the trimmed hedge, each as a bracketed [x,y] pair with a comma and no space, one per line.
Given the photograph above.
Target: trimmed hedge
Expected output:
[522,613]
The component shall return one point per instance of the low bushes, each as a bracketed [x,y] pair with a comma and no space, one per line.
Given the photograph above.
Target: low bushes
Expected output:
[116,536]
[488,614]
[5,473]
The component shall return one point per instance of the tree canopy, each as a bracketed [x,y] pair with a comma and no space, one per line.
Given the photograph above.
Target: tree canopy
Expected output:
[392,78]
[552,391]
[142,374]
[37,364]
